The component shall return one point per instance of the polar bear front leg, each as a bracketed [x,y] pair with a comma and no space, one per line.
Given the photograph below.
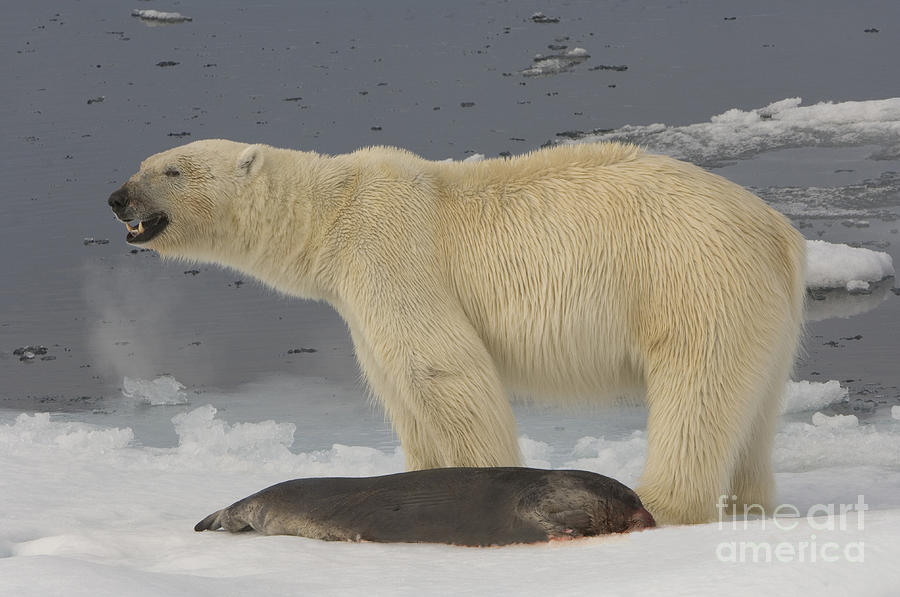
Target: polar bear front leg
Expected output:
[439,386]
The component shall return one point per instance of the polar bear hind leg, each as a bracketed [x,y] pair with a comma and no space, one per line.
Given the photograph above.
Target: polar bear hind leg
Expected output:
[752,482]
[692,444]
[713,390]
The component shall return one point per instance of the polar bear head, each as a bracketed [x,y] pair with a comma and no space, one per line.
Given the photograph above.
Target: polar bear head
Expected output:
[180,201]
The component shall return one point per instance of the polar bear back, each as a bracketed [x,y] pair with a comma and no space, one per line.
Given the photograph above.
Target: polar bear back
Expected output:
[571,261]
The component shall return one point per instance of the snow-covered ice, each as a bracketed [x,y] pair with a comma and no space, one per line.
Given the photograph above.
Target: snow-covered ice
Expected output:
[738,133]
[109,516]
[831,265]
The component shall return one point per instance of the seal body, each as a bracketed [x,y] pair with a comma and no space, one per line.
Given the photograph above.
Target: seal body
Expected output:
[460,506]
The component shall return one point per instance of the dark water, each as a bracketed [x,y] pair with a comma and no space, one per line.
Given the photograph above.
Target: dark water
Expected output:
[439,79]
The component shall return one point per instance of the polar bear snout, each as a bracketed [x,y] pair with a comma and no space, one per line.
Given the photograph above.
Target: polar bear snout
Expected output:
[120,203]
[141,227]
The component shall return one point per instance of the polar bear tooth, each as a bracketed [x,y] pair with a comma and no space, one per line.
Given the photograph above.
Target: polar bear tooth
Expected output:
[130,227]
[140,228]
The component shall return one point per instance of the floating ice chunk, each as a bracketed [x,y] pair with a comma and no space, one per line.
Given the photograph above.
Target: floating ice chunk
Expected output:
[835,422]
[162,391]
[540,17]
[28,353]
[895,412]
[556,63]
[835,265]
[737,133]
[544,66]
[804,395]
[163,17]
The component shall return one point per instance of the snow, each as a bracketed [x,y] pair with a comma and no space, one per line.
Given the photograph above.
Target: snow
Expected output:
[831,265]
[738,133]
[110,516]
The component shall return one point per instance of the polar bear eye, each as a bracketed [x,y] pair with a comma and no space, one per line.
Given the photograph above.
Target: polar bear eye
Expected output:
[172,172]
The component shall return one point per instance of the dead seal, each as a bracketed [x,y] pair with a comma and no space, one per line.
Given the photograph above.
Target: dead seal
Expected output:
[460,506]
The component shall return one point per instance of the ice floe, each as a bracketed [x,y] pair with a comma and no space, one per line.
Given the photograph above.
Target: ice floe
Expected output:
[834,265]
[738,134]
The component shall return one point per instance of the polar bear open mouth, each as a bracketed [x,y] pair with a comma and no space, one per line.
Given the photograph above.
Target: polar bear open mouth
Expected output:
[146,229]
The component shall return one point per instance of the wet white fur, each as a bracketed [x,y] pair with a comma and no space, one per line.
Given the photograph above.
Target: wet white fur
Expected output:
[572,273]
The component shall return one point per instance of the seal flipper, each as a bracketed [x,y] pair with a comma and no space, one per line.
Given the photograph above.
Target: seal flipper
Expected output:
[222,519]
[210,523]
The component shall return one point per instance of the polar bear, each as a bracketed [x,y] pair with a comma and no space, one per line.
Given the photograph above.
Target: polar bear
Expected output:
[576,272]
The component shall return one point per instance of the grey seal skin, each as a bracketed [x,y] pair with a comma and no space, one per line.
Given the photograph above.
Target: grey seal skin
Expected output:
[460,506]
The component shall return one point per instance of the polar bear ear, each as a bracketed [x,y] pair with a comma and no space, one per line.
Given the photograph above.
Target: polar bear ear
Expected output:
[250,161]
